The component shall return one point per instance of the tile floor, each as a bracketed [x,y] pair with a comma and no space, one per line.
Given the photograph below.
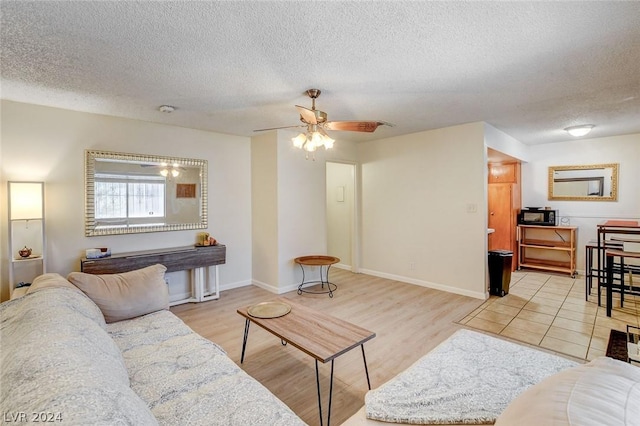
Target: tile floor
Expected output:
[550,311]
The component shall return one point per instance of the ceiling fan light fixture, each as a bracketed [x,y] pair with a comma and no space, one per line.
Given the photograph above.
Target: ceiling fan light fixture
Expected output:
[169,169]
[299,140]
[316,139]
[312,140]
[328,142]
[580,130]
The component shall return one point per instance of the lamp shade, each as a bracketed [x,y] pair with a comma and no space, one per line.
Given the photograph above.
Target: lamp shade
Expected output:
[26,199]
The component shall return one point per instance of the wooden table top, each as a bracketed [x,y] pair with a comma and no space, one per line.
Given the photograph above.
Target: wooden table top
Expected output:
[318,260]
[620,224]
[621,253]
[315,333]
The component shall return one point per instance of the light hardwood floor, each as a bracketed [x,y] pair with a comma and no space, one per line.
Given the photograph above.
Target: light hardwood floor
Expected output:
[409,321]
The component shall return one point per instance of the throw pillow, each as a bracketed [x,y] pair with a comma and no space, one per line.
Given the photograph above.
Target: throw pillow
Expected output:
[127,295]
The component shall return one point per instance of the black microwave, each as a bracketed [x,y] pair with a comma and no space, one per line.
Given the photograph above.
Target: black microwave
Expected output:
[538,217]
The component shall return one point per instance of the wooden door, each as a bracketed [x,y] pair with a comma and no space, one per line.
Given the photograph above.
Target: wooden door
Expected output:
[500,216]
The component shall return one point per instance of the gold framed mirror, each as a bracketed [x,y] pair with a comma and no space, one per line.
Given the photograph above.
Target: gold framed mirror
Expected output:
[136,193]
[593,182]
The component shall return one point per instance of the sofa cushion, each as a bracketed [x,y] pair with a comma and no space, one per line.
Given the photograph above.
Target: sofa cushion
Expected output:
[127,295]
[50,280]
[603,392]
[87,308]
[56,358]
[187,379]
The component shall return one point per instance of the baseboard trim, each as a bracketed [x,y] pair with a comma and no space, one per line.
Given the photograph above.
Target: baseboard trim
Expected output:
[291,287]
[237,284]
[343,266]
[273,289]
[428,284]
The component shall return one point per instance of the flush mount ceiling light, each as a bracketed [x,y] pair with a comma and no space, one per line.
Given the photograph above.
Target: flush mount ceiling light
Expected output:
[166,109]
[580,130]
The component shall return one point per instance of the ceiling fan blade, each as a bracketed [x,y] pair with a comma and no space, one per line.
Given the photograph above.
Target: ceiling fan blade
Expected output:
[354,126]
[308,115]
[276,128]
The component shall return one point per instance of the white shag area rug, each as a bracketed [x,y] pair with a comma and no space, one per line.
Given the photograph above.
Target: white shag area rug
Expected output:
[469,378]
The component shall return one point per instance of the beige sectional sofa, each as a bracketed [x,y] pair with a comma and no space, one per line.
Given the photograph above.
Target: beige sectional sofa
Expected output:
[60,360]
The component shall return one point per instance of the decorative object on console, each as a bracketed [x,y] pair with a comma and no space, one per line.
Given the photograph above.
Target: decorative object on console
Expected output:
[204,239]
[97,253]
[25,252]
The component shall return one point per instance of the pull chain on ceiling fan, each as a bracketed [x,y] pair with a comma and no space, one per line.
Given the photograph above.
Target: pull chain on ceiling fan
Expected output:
[316,123]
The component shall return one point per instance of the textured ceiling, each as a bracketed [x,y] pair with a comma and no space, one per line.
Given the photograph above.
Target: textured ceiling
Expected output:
[528,68]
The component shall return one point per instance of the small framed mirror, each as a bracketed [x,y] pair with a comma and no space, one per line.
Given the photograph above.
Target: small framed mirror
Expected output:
[135,193]
[594,182]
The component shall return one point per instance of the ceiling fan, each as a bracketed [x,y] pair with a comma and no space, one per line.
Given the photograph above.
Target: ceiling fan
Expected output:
[316,123]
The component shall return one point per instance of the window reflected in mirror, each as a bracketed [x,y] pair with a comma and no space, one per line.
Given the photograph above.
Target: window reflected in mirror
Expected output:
[596,182]
[132,193]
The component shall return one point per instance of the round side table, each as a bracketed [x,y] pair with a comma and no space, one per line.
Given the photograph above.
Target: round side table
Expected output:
[321,261]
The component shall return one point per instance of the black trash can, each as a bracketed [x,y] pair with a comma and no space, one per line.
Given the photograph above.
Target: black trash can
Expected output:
[499,271]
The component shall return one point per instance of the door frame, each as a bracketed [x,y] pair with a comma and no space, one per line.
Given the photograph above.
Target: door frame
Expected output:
[355,219]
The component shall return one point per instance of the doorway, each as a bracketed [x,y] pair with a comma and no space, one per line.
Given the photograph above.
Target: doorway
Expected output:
[341,212]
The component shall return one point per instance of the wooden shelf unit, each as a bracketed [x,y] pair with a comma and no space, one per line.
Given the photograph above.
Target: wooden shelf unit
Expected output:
[549,248]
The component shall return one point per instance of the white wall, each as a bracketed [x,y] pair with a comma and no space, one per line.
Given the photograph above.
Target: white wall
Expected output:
[264,213]
[500,141]
[340,213]
[419,193]
[624,150]
[289,212]
[48,144]
[301,209]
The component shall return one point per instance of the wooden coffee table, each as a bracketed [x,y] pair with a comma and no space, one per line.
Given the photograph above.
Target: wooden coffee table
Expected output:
[315,333]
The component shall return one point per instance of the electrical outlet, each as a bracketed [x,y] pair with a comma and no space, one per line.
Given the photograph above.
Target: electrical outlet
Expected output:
[412,266]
